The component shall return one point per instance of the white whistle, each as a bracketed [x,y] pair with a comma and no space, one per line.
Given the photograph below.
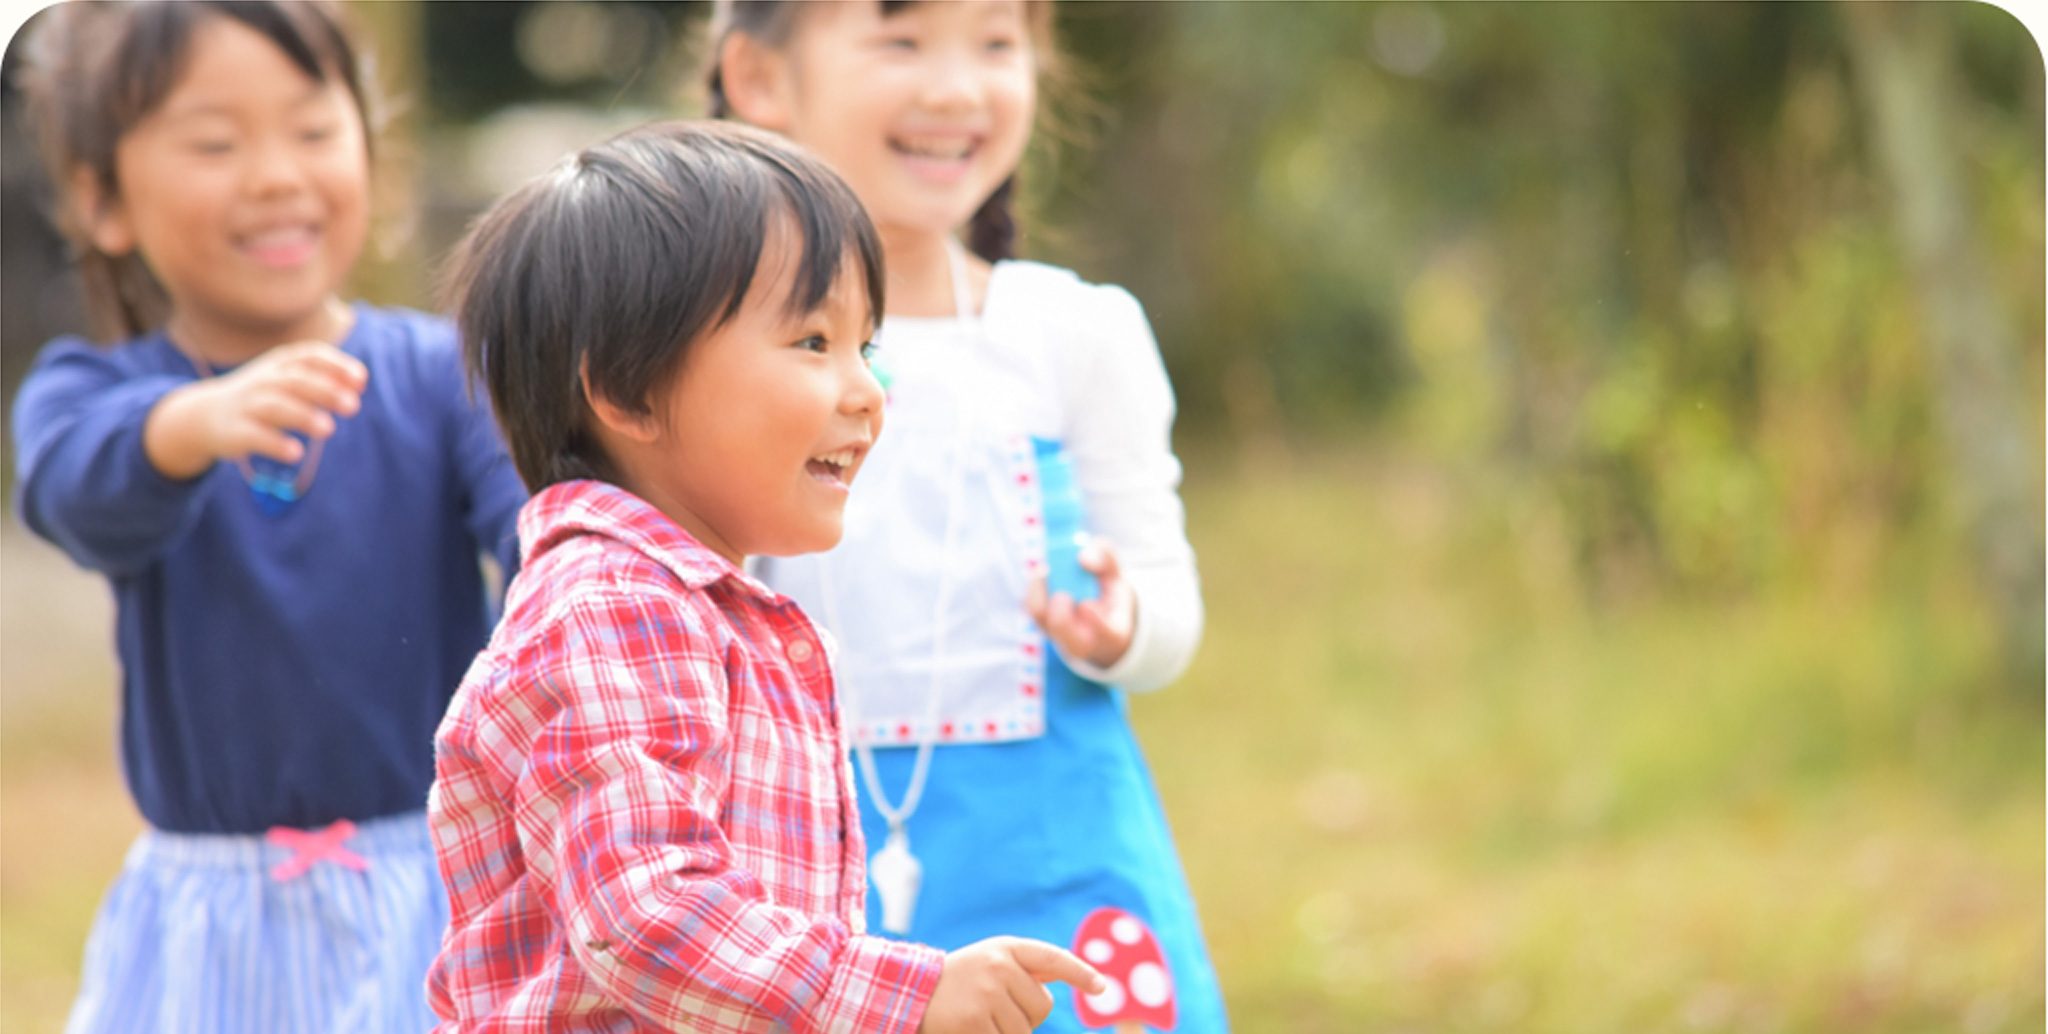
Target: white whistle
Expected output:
[896,875]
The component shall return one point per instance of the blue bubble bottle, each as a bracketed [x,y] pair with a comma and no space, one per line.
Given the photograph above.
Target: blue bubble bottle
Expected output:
[1066,526]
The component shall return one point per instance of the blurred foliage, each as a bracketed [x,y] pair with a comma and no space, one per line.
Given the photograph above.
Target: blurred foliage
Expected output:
[1420,786]
[1634,263]
[488,55]
[1370,599]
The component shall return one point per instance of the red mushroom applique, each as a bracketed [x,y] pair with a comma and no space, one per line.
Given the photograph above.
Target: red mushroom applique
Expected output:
[1140,986]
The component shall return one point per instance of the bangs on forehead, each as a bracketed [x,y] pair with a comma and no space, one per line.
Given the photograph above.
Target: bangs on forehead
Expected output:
[762,211]
[825,245]
[156,49]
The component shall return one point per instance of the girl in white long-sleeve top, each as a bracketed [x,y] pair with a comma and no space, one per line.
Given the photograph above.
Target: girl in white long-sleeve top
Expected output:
[999,776]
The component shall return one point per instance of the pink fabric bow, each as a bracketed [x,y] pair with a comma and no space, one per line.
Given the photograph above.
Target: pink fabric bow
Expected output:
[312,846]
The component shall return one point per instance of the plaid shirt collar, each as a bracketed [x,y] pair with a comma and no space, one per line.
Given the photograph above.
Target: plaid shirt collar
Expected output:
[567,509]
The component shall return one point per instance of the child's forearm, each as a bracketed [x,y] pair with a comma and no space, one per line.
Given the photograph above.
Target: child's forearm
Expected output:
[175,435]
[85,480]
[706,951]
[657,911]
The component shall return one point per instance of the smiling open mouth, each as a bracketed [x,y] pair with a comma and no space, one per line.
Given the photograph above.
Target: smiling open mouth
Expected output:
[950,148]
[832,466]
[281,246]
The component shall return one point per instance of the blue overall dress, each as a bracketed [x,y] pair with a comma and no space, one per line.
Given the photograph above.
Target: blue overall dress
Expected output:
[1037,807]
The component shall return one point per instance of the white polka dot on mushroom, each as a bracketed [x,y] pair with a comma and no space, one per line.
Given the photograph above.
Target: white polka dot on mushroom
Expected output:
[1150,984]
[1110,999]
[1126,929]
[1097,951]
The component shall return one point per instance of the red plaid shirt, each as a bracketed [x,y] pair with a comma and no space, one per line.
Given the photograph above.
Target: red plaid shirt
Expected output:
[643,810]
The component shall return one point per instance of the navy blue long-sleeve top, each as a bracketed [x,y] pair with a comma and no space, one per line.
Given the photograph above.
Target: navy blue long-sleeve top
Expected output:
[284,669]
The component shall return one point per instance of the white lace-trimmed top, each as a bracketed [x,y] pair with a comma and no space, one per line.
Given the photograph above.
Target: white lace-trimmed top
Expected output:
[1050,356]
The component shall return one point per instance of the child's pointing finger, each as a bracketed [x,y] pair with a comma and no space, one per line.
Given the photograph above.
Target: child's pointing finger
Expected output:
[1047,963]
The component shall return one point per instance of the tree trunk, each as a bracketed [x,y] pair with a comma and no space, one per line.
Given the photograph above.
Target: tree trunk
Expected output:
[1903,60]
[391,270]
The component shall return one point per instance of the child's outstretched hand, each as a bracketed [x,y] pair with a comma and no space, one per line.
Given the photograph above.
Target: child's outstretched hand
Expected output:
[298,387]
[1099,630]
[997,986]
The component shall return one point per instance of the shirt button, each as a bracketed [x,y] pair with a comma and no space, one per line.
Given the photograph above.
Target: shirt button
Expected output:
[798,650]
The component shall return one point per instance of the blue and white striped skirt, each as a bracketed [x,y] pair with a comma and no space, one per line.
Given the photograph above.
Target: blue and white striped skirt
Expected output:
[200,936]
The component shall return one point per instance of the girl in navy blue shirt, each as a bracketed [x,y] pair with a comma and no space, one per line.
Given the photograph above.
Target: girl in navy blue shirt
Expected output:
[290,496]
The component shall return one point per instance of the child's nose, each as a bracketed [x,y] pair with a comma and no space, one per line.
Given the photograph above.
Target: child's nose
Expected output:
[951,81]
[274,168]
[862,392]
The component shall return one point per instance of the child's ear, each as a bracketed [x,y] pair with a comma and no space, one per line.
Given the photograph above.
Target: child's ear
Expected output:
[102,216]
[618,420]
[756,81]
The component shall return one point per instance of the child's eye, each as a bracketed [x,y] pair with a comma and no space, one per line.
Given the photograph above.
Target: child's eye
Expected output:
[815,343]
[903,43]
[213,147]
[1001,46]
[316,134]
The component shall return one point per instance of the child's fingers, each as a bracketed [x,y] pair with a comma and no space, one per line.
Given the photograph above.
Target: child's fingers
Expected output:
[326,359]
[321,388]
[1064,624]
[1097,630]
[1028,1005]
[1044,609]
[1059,611]
[1008,1019]
[285,412]
[1047,963]
[1091,619]
[324,368]
[265,441]
[1114,612]
[1098,558]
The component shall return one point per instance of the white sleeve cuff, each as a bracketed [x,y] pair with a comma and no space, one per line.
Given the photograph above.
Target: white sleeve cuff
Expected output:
[1163,643]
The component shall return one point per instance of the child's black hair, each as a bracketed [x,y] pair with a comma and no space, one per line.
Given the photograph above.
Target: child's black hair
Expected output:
[96,68]
[992,232]
[611,264]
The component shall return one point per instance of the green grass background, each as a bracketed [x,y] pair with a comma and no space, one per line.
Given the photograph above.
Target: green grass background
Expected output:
[1420,784]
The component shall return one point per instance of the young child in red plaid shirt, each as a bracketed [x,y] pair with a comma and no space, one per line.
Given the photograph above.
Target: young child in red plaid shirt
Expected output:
[643,810]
